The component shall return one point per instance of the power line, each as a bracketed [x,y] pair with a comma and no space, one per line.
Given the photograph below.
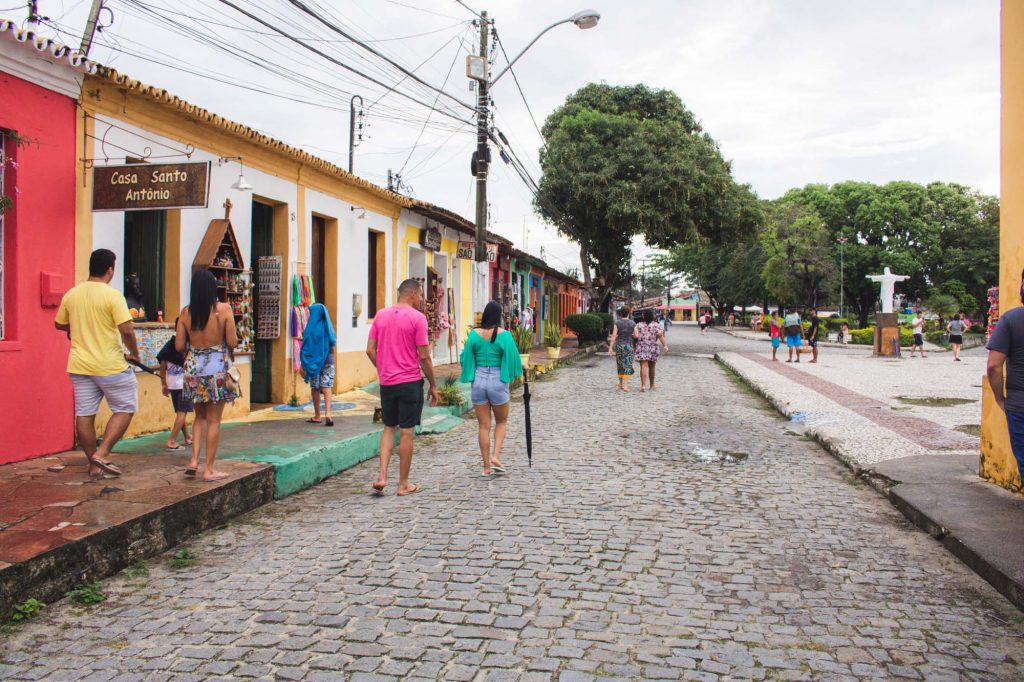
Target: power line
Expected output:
[518,87]
[334,27]
[331,59]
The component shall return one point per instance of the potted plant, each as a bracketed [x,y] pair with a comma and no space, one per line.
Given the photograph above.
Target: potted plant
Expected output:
[553,340]
[449,393]
[523,337]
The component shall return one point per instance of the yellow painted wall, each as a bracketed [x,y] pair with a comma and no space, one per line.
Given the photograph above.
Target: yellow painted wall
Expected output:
[997,462]
[100,97]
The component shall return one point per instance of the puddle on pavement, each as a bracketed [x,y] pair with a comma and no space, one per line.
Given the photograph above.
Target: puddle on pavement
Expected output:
[933,401]
[969,429]
[711,456]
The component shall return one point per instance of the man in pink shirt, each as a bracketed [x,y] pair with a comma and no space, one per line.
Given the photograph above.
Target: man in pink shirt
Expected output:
[399,348]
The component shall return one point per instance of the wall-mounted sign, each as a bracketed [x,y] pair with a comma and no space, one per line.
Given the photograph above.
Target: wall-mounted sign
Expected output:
[430,238]
[467,251]
[146,186]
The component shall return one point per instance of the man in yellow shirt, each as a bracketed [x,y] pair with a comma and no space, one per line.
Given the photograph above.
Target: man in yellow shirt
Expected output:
[96,318]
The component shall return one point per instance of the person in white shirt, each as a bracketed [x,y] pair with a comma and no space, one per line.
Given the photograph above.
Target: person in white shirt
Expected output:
[917,327]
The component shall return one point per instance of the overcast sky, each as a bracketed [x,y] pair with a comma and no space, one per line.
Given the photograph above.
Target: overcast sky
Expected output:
[795,91]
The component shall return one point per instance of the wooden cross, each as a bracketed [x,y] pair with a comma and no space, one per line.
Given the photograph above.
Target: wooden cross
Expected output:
[227,209]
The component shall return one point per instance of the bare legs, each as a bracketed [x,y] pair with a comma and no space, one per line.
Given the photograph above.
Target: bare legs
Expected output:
[179,425]
[85,430]
[483,423]
[956,356]
[483,418]
[644,371]
[387,447]
[207,429]
[650,373]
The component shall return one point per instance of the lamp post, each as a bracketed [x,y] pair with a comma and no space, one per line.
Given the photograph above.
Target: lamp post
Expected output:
[476,68]
[842,242]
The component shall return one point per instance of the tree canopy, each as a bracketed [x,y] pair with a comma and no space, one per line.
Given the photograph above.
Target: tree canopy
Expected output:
[620,161]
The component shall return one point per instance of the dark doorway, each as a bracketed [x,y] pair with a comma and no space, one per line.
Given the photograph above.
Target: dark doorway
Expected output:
[262,245]
[319,251]
[144,246]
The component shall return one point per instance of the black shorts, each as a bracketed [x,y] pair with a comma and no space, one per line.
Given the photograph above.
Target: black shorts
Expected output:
[702,325]
[402,404]
[956,338]
[180,401]
[918,339]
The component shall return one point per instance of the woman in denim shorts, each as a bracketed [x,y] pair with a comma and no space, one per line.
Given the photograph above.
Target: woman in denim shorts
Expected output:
[491,361]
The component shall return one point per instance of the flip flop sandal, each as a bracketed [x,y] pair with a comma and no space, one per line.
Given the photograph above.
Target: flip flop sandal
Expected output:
[415,489]
[313,421]
[191,473]
[378,490]
[500,468]
[219,477]
[329,422]
[107,467]
[176,447]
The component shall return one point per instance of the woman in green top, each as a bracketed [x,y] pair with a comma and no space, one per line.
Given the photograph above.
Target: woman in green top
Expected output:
[491,361]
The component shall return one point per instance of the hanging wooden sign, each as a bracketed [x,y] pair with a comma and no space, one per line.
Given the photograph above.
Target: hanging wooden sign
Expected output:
[430,238]
[147,186]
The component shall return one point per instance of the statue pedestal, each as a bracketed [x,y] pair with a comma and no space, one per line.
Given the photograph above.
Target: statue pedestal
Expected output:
[887,330]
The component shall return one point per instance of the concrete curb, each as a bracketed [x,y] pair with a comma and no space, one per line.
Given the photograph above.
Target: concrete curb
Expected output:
[48,576]
[1010,586]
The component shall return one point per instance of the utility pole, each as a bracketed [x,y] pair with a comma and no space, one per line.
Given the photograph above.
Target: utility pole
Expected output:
[352,129]
[90,26]
[842,283]
[33,11]
[482,116]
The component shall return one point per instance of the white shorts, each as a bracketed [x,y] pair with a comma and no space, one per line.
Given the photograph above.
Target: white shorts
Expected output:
[120,390]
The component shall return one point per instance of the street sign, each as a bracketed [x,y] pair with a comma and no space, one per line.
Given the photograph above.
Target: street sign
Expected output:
[467,251]
[147,186]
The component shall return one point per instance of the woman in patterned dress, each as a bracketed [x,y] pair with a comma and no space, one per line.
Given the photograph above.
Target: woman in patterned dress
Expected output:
[621,346]
[206,329]
[648,335]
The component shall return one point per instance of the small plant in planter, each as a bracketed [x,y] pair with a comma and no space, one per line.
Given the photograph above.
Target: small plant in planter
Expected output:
[523,337]
[553,340]
[449,393]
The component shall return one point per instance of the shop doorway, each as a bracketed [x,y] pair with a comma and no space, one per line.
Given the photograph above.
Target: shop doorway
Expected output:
[319,251]
[441,352]
[144,259]
[262,245]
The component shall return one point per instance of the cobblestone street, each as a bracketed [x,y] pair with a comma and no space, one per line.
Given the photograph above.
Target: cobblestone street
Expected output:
[688,533]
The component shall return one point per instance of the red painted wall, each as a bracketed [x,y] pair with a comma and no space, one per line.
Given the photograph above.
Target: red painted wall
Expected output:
[36,405]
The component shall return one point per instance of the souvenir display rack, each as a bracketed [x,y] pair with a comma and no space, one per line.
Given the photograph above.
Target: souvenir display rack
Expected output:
[219,253]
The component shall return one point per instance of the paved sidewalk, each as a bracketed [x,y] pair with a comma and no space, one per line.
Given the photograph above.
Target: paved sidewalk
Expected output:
[909,427]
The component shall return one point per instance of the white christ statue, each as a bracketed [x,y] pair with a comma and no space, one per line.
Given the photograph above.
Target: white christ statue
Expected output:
[888,282]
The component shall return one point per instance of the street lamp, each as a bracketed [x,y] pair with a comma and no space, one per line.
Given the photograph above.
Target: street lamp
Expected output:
[476,68]
[842,242]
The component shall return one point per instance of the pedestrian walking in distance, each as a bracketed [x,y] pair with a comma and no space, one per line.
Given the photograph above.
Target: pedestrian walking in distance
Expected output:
[621,346]
[172,381]
[812,335]
[955,329]
[490,360]
[704,320]
[317,358]
[649,335]
[206,334]
[775,333]
[794,334]
[1006,350]
[917,327]
[399,348]
[95,316]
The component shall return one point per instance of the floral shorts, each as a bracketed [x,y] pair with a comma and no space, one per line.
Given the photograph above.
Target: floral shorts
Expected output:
[205,369]
[325,378]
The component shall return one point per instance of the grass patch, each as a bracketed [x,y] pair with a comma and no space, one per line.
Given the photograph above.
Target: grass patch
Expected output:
[182,559]
[137,569]
[87,595]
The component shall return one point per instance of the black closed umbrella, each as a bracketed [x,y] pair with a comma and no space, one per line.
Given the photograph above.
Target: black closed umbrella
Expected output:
[526,406]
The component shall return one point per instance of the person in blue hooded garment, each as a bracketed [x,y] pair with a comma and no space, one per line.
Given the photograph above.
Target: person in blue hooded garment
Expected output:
[317,357]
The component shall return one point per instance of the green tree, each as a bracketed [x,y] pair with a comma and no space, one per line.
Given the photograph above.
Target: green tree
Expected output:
[800,269]
[621,161]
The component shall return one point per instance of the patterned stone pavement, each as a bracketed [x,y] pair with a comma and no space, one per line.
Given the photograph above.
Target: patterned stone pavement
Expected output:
[686,533]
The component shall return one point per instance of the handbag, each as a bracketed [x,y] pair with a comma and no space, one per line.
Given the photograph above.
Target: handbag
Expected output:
[794,330]
[233,380]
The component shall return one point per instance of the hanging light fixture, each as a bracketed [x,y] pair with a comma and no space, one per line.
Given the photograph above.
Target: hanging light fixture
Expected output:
[240,185]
